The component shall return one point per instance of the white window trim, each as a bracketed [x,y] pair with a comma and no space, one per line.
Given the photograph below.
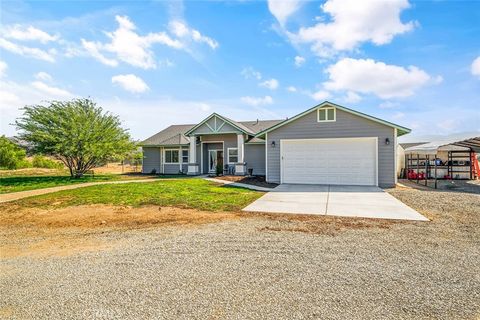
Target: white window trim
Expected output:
[188,155]
[165,156]
[228,155]
[326,114]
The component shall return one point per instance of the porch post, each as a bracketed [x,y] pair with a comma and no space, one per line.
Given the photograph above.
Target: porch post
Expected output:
[240,165]
[192,161]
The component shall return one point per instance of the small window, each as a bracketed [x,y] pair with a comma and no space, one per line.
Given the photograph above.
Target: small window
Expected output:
[171,156]
[185,156]
[326,114]
[232,155]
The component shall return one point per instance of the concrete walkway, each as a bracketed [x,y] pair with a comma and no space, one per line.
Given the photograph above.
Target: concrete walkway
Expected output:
[345,201]
[238,184]
[7,197]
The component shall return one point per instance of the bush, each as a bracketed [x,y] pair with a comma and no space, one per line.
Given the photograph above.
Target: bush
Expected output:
[11,156]
[24,163]
[40,161]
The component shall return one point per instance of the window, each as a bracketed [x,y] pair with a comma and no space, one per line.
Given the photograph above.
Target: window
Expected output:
[185,156]
[171,156]
[232,155]
[326,114]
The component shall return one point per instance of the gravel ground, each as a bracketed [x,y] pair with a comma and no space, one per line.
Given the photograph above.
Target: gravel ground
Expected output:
[265,267]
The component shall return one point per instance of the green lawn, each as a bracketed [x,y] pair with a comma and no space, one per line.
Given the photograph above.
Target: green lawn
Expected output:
[185,193]
[15,183]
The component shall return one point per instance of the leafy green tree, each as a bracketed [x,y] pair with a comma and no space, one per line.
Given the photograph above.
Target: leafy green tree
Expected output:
[11,156]
[76,132]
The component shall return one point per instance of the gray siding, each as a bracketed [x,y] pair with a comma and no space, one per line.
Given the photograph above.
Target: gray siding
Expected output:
[255,158]
[172,168]
[151,159]
[346,125]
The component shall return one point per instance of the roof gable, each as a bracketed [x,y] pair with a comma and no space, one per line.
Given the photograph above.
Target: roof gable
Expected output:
[401,130]
[215,124]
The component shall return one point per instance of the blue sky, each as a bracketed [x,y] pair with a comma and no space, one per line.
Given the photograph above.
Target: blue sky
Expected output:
[156,63]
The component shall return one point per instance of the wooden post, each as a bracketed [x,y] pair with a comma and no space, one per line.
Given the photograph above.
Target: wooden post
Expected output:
[471,164]
[406,166]
[435,171]
[418,166]
[427,157]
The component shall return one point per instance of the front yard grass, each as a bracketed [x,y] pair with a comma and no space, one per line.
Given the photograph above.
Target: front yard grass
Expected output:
[23,182]
[183,193]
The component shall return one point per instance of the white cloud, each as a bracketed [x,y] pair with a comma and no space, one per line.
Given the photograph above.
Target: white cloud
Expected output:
[271,84]
[370,77]
[28,51]
[398,115]
[475,68]
[128,46]
[43,76]
[257,101]
[3,68]
[388,105]
[8,98]
[320,95]
[166,63]
[130,83]
[181,30]
[23,33]
[291,89]
[282,9]
[354,22]
[352,97]
[92,49]
[51,91]
[299,61]
[250,73]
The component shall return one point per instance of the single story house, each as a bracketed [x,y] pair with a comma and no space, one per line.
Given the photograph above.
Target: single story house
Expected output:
[326,144]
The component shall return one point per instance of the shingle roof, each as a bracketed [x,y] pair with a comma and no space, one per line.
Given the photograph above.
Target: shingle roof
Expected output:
[259,125]
[175,134]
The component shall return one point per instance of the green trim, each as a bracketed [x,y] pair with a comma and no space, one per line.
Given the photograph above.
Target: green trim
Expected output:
[219,116]
[401,130]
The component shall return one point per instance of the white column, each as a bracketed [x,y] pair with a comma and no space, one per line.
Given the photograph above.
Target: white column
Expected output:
[239,166]
[240,146]
[180,159]
[192,163]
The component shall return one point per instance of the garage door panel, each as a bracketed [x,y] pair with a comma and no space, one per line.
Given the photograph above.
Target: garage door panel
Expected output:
[329,161]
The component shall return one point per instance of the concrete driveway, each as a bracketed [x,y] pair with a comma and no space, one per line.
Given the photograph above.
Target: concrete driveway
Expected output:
[345,201]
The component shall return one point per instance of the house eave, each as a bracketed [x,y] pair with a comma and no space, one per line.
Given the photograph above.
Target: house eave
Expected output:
[400,130]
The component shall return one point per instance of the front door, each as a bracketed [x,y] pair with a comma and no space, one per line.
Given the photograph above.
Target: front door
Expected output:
[215,157]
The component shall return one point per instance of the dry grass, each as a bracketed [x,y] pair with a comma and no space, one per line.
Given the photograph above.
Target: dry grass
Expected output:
[101,216]
[66,231]
[323,224]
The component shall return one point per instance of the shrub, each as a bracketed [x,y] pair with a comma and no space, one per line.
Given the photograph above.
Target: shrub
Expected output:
[11,156]
[40,161]
[24,163]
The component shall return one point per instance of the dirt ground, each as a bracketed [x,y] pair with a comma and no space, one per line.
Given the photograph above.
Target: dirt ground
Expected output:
[65,231]
[255,180]
[123,262]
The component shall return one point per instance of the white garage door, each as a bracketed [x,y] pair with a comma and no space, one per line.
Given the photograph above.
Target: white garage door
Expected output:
[351,161]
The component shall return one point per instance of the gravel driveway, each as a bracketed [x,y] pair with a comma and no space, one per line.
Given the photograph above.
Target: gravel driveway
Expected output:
[265,267]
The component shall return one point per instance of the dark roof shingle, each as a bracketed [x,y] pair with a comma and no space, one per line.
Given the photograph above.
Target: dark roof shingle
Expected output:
[175,134]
